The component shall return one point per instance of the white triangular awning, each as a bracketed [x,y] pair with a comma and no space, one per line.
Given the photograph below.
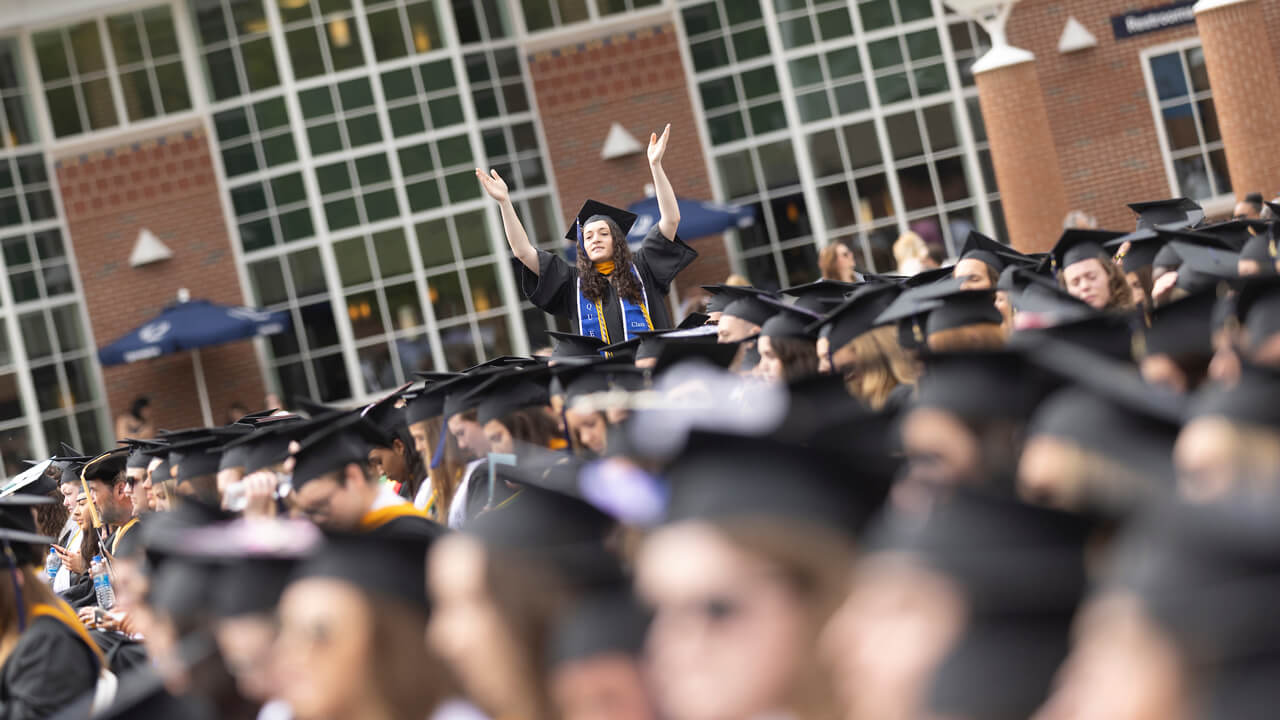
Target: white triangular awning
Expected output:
[619,143]
[1075,36]
[148,249]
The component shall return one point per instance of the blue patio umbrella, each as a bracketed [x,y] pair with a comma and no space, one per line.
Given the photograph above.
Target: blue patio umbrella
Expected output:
[191,325]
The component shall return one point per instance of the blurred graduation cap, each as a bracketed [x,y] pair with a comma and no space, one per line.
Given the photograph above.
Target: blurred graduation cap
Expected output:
[268,445]
[718,297]
[961,309]
[199,452]
[748,304]
[107,467]
[332,445]
[1175,212]
[1204,266]
[606,623]
[1261,249]
[1108,334]
[1182,327]
[457,392]
[1257,308]
[629,349]
[719,476]
[927,277]
[993,254]
[811,296]
[1021,569]
[717,354]
[503,361]
[601,376]
[1235,233]
[1144,244]
[858,314]
[593,210]
[388,415]
[1039,299]
[570,345]
[1076,245]
[392,568]
[1250,401]
[505,393]
[982,384]
[789,321]
[40,479]
[18,531]
[428,401]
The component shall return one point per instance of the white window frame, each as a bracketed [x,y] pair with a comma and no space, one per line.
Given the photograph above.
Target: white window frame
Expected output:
[1153,100]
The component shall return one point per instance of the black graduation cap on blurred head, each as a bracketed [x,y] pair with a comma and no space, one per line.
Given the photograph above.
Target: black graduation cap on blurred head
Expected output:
[392,569]
[928,277]
[718,355]
[964,308]
[790,321]
[1235,233]
[1257,308]
[1039,299]
[1206,264]
[1182,327]
[1144,244]
[457,397]
[40,479]
[1250,401]
[992,253]
[1175,212]
[720,476]
[200,454]
[749,304]
[605,623]
[1261,249]
[505,393]
[570,345]
[334,445]
[601,376]
[981,384]
[858,314]
[626,350]
[1076,245]
[693,320]
[429,401]
[717,298]
[1107,334]
[18,529]
[593,210]
[107,467]
[810,296]
[269,444]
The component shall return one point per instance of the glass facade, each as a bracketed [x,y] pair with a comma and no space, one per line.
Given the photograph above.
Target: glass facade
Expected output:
[346,132]
[841,121]
[1178,83]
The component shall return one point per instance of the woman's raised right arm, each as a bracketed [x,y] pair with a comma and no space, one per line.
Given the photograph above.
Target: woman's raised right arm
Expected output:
[517,238]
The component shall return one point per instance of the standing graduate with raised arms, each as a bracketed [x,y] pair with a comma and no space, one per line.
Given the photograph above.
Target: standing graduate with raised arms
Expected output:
[610,294]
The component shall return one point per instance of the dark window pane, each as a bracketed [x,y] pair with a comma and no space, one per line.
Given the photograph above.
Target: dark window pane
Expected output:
[424,195]
[942,130]
[801,264]
[835,23]
[814,106]
[344,44]
[259,64]
[767,118]
[433,243]
[231,124]
[904,135]
[387,34]
[353,262]
[445,293]
[1167,72]
[304,52]
[473,234]
[876,14]
[51,55]
[24,286]
[365,311]
[355,94]
[486,293]
[331,378]
[736,174]
[709,54]
[363,130]
[35,335]
[759,83]
[701,18]
[852,97]
[1209,120]
[796,32]
[63,111]
[824,153]
[341,213]
[380,205]
[267,282]
[726,128]
[750,43]
[762,271]
[296,225]
[952,179]
[307,272]
[837,205]
[324,139]
[917,188]
[790,217]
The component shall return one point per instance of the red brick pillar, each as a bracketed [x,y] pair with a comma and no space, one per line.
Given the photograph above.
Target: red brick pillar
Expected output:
[1022,150]
[1238,55]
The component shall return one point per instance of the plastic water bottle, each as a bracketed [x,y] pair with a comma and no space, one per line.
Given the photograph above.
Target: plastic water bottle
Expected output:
[102,584]
[52,564]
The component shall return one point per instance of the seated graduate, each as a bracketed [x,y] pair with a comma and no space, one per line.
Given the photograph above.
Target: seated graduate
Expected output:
[610,294]
[48,658]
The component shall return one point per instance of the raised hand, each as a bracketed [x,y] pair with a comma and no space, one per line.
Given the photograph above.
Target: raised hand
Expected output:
[658,146]
[493,184]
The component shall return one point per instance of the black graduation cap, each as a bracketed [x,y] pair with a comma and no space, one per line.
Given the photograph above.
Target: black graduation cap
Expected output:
[1176,212]
[927,277]
[1107,334]
[601,376]
[1257,307]
[1076,245]
[332,446]
[811,296]
[748,304]
[457,397]
[606,623]
[789,321]
[693,320]
[1109,409]
[719,355]
[1261,249]
[1204,265]
[268,445]
[18,530]
[981,384]
[385,567]
[1182,327]
[858,314]
[717,298]
[200,453]
[1033,293]
[503,361]
[68,463]
[966,307]
[388,414]
[1235,233]
[140,452]
[1144,244]
[505,393]
[1251,400]
[428,402]
[626,350]
[593,210]
[570,345]
[719,476]
[992,253]
[106,468]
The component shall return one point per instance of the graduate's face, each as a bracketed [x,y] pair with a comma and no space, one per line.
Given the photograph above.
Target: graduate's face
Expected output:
[1087,280]
[323,651]
[598,239]
[246,643]
[1205,457]
[152,481]
[733,329]
[389,462]
[973,273]
[590,429]
[500,440]
[469,435]
[421,443]
[846,264]
[729,633]
[1162,370]
[888,637]
[1135,288]
[1121,668]
[604,687]
[334,505]
[940,449]
[770,366]
[68,491]
[466,628]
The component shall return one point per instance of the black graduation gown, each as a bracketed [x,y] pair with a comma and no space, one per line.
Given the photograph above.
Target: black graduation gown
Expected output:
[49,668]
[555,288]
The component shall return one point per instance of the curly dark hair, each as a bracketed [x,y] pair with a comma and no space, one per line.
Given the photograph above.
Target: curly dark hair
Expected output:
[624,281]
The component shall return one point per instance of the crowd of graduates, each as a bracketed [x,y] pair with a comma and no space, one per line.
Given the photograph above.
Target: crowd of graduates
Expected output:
[1016,486]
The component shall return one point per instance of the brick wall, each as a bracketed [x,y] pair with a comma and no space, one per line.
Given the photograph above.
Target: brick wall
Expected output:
[1105,135]
[167,185]
[637,79]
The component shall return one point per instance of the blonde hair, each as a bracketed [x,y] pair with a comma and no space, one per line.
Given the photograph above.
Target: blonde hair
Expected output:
[827,261]
[882,365]
[736,280]
[909,246]
[985,336]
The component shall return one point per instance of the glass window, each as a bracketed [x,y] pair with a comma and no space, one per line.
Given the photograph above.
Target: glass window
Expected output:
[1188,122]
